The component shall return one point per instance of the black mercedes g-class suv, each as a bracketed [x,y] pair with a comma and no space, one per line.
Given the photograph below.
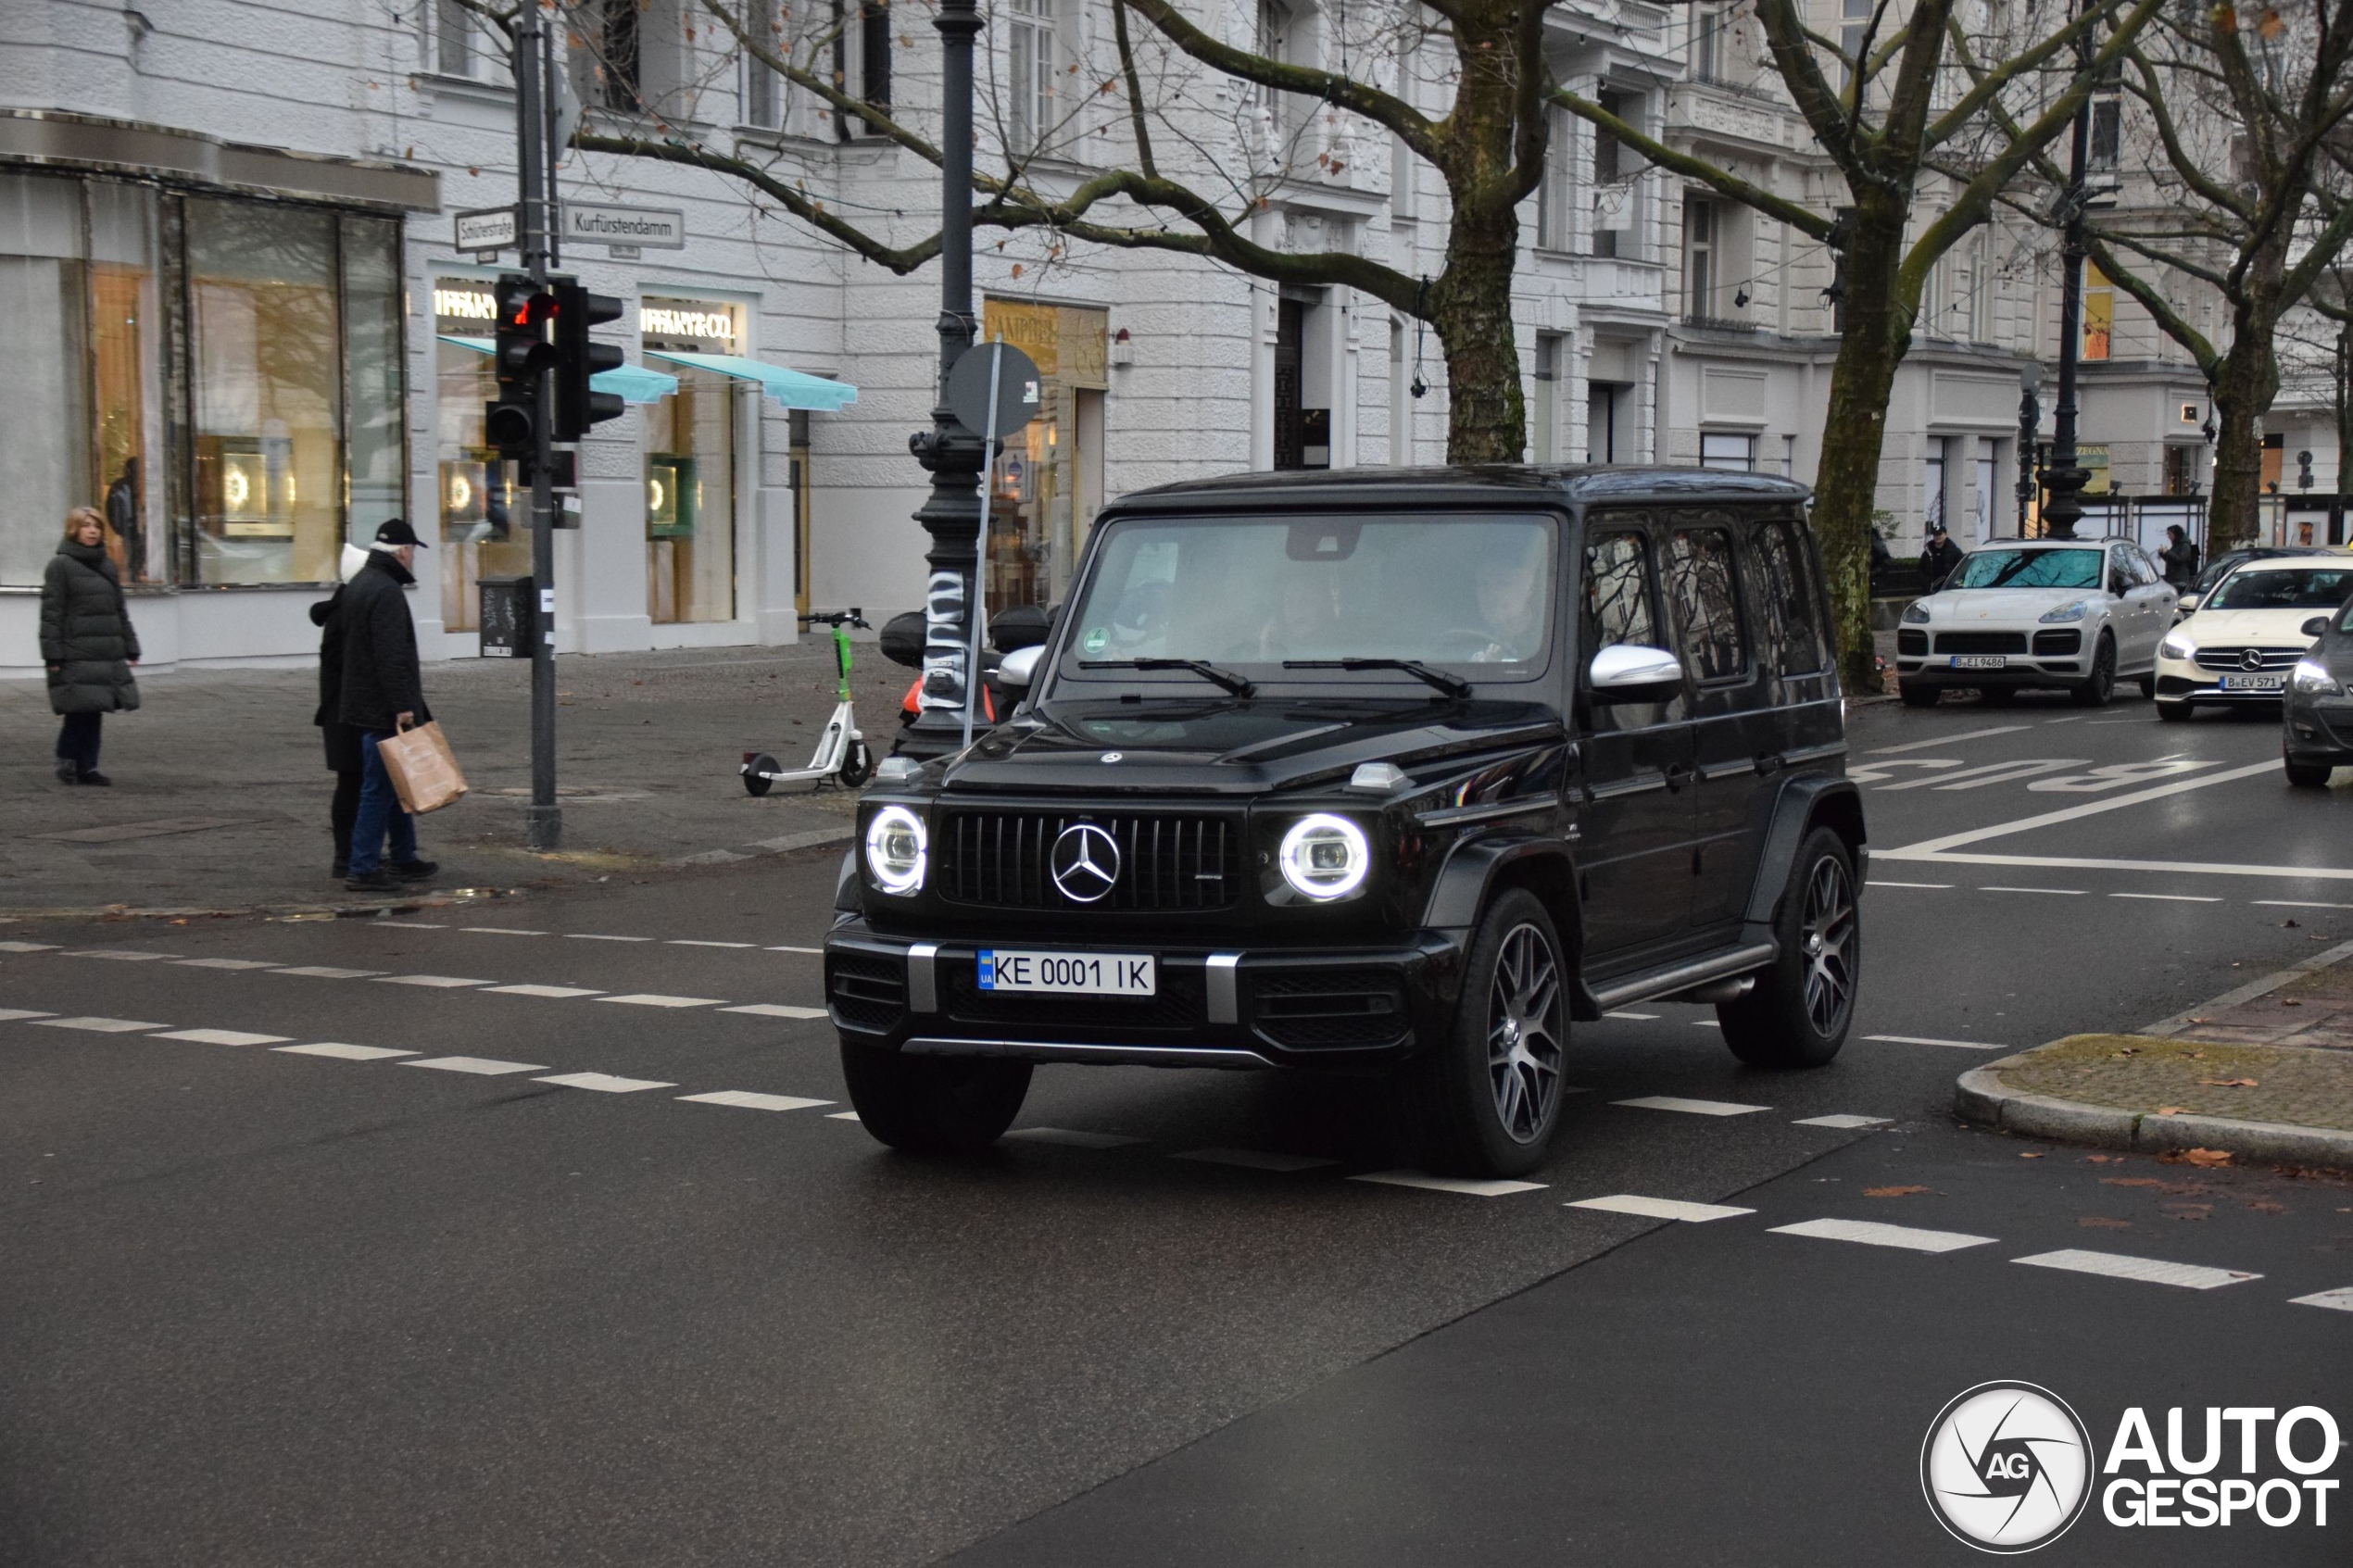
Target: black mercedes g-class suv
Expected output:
[1379,772]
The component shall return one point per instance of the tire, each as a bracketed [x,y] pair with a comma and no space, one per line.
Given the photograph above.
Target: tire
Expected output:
[2097,689]
[857,765]
[2173,712]
[753,784]
[1916,695]
[2149,688]
[2306,775]
[1486,1101]
[934,1104]
[1798,1012]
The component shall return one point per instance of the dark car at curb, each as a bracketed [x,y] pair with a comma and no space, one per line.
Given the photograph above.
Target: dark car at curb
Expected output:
[2316,715]
[1381,772]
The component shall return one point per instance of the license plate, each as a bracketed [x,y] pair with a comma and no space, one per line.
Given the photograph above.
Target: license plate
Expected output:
[1980,661]
[2254,683]
[1069,974]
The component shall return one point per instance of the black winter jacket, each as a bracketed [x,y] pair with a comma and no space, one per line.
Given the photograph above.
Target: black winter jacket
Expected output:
[1937,563]
[86,638]
[379,648]
[341,741]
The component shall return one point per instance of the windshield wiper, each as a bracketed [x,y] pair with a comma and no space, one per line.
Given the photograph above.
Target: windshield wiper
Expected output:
[1241,685]
[1452,686]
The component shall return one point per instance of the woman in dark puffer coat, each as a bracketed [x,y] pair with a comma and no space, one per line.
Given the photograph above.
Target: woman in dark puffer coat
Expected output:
[88,644]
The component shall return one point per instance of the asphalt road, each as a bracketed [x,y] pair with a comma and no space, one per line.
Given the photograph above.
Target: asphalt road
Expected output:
[479,1272]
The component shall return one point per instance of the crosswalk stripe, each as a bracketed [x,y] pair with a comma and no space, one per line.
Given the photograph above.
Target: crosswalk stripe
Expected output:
[438,981]
[1659,1208]
[604,1083]
[2336,1300]
[223,1038]
[1691,1107]
[101,1026]
[341,1052]
[1843,1122]
[777,1009]
[1070,1138]
[1253,1159]
[483,1065]
[1427,1183]
[747,1100]
[1871,1232]
[2151,1271]
[648,1000]
[554,993]
[15,1015]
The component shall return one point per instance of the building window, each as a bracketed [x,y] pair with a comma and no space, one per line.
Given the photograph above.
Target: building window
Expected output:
[1709,24]
[763,96]
[1543,415]
[461,46]
[1556,190]
[1933,469]
[1400,399]
[1735,454]
[1274,44]
[691,465]
[873,53]
[1699,258]
[2180,471]
[1989,468]
[620,59]
[2099,312]
[1857,18]
[1613,181]
[1788,456]
[1029,60]
[1980,285]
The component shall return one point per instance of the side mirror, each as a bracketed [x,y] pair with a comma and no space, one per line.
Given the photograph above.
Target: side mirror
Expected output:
[2318,627]
[1630,672]
[1020,667]
[2186,603]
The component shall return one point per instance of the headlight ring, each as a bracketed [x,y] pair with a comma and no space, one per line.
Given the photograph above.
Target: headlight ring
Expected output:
[896,850]
[1325,859]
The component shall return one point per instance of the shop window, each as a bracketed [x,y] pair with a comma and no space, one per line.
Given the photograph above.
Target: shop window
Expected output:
[1046,485]
[2099,312]
[45,462]
[485,511]
[2180,471]
[690,466]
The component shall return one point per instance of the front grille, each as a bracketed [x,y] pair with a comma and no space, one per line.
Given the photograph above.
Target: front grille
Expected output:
[1911,642]
[1181,1003]
[2228,658]
[1167,860]
[869,990]
[1308,1008]
[1980,642]
[2068,641]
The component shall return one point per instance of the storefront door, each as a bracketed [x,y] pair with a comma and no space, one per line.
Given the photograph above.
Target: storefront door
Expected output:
[691,465]
[485,515]
[1047,482]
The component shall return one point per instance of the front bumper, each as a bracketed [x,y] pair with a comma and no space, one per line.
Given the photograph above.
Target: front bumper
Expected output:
[2183,680]
[2318,731]
[1324,1008]
[2043,656]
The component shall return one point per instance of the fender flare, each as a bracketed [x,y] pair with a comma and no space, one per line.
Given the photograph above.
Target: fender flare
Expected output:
[1802,803]
[1460,890]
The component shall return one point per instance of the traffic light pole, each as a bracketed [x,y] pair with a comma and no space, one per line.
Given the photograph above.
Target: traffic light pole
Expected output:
[544,824]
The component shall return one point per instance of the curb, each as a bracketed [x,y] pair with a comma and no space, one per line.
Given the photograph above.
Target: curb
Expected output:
[1980,1096]
[786,845]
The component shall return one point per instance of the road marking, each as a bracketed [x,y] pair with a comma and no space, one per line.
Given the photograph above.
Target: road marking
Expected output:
[553,993]
[2061,892]
[14,1015]
[1448,1183]
[341,1052]
[1691,1107]
[1871,1232]
[224,963]
[1940,849]
[592,936]
[28,947]
[1659,1208]
[777,1009]
[414,924]
[1988,773]
[101,1026]
[2152,1270]
[2170,898]
[2336,1300]
[322,972]
[1253,1159]
[1934,885]
[2297,904]
[1945,740]
[502,931]
[483,1065]
[690,942]
[1073,1139]
[1707,1024]
[223,1038]
[125,955]
[1924,1040]
[1637,1017]
[745,1099]
[437,982]
[1844,1122]
[648,1000]
[2070,719]
[604,1083]
[817,951]
[842,1116]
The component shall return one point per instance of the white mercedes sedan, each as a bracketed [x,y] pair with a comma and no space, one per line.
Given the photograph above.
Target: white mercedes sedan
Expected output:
[2243,639]
[2016,614]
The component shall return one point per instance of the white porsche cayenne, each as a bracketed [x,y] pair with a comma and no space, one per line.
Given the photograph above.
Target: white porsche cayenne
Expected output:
[2071,614]
[2243,641]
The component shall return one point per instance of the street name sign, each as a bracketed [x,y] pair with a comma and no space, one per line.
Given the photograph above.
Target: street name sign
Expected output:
[647,227]
[489,228]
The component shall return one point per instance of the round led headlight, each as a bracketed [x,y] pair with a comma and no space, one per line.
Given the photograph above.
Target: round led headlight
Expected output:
[1324,857]
[895,845]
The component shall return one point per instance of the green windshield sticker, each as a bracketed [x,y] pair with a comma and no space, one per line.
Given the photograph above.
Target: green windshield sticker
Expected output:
[1096,640]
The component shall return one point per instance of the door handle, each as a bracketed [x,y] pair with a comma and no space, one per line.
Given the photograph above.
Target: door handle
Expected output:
[1678,774]
[1768,762]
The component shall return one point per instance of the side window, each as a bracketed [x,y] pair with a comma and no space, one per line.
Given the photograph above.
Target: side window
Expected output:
[1708,603]
[1618,592]
[2145,568]
[1785,599]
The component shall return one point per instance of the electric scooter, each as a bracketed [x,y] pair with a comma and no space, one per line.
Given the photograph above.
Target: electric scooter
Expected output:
[841,750]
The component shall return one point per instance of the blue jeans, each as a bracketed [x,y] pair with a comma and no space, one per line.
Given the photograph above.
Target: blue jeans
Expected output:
[378,813]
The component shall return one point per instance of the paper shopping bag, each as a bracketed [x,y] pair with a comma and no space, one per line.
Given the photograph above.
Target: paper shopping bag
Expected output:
[423,768]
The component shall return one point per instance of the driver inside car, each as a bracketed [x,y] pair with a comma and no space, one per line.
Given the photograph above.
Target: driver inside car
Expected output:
[1511,605]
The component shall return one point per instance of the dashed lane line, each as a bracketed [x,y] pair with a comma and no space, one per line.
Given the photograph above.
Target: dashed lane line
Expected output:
[1945,740]
[552,993]
[777,1009]
[28,947]
[485,1066]
[2060,892]
[434,982]
[1255,1159]
[1938,885]
[2152,1270]
[101,1025]
[1427,1182]
[1638,1017]
[817,952]
[500,931]
[2336,1300]
[842,1116]
[1072,1140]
[1925,1040]
[341,1052]
[223,963]
[413,924]
[648,999]
[222,1037]
[1691,1107]
[1871,1232]
[2170,898]
[21,1015]
[123,955]
[1659,1208]
[596,936]
[2297,904]
[744,1099]
[328,971]
[604,1083]
[1843,1122]
[696,942]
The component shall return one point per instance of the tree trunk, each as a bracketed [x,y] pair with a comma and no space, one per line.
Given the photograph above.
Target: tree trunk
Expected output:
[1872,341]
[1470,308]
[2244,388]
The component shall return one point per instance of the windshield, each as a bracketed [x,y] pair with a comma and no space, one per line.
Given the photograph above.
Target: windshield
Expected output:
[2300,587]
[2028,568]
[1253,593]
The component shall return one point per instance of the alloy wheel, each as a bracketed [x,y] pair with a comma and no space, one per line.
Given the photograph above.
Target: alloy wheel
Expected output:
[1827,932]
[1524,1046]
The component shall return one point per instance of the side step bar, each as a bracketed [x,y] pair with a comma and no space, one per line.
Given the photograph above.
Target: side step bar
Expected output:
[1654,984]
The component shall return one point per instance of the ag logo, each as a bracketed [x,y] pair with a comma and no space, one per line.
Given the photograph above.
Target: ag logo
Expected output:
[2007,1467]
[1084,861]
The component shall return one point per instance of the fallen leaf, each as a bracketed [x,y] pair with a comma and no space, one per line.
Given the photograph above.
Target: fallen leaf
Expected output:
[2265,1206]
[2230,1083]
[2103,1159]
[2031,1154]
[2129,1050]
[2290,1002]
[2131,1181]
[2169,1110]
[2101,1222]
[2201,1021]
[1892,1192]
[2205,1157]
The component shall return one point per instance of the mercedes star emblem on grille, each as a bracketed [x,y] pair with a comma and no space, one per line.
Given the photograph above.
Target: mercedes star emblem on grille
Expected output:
[1084,861]
[2250,659]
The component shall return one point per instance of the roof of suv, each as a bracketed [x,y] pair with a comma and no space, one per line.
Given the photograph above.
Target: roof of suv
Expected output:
[1574,483]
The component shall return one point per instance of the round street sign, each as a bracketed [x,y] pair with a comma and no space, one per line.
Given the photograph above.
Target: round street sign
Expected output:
[1017,395]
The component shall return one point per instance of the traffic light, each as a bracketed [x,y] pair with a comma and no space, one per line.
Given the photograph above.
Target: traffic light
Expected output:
[521,354]
[579,358]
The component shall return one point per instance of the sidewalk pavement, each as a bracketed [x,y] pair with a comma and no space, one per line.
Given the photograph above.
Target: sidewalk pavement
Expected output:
[2261,1072]
[220,793]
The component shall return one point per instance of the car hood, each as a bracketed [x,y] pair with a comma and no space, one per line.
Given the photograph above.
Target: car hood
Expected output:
[2002,607]
[1234,747]
[2264,628]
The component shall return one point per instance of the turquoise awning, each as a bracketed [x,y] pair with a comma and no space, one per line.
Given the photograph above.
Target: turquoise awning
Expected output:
[631,384]
[791,389]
